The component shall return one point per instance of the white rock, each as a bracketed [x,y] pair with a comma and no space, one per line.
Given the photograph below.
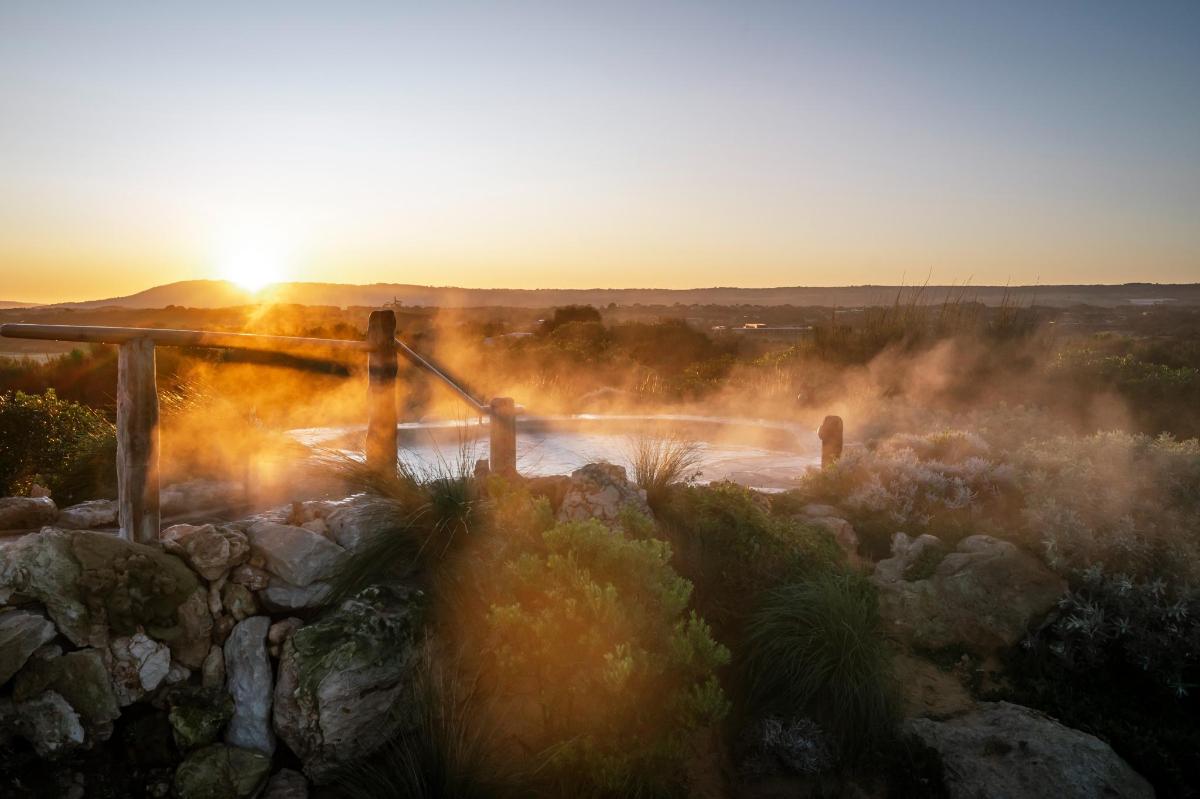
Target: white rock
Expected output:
[89,515]
[138,664]
[50,724]
[294,554]
[282,597]
[251,685]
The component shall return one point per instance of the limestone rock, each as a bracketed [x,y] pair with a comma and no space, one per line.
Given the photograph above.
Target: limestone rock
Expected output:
[982,597]
[341,691]
[138,664]
[21,634]
[928,691]
[80,678]
[282,597]
[601,491]
[238,601]
[1002,751]
[353,521]
[26,513]
[252,578]
[197,715]
[248,671]
[221,772]
[209,549]
[199,495]
[212,671]
[281,631]
[842,531]
[88,515]
[294,554]
[287,784]
[191,637]
[90,582]
[50,724]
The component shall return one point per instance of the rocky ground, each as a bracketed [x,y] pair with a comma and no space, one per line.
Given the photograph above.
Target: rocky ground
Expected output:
[211,666]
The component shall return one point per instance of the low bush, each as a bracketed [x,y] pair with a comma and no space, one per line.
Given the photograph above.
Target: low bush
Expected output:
[600,671]
[814,649]
[54,442]
[732,548]
[661,461]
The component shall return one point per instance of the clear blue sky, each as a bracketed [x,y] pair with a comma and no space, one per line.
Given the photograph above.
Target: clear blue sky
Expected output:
[552,144]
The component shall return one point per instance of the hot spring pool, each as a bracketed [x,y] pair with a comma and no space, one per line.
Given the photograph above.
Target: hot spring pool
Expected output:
[762,454]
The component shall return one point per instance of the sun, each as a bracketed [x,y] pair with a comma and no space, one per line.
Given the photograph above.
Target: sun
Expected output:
[252,267]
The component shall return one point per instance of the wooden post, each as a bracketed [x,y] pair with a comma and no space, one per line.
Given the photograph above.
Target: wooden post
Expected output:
[502,447]
[137,442]
[830,434]
[381,397]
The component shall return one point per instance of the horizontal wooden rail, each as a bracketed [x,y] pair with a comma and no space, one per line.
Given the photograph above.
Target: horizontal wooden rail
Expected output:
[179,338]
[137,398]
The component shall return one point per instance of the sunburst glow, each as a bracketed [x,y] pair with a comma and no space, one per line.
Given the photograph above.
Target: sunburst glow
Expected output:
[253,267]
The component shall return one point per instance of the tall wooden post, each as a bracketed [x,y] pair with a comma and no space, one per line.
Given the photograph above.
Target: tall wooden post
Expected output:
[137,442]
[830,434]
[381,398]
[502,446]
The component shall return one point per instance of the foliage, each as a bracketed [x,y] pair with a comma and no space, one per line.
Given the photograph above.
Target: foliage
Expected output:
[605,673]
[814,648]
[450,754]
[419,520]
[661,460]
[49,440]
[732,548]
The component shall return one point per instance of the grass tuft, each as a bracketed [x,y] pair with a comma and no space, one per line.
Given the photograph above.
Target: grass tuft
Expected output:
[814,649]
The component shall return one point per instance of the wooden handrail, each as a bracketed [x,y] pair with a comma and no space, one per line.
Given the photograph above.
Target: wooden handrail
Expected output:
[168,337]
[137,398]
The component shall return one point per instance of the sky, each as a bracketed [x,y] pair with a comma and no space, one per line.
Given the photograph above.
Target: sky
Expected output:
[606,144]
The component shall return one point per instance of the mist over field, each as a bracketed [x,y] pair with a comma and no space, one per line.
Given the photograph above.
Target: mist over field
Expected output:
[640,400]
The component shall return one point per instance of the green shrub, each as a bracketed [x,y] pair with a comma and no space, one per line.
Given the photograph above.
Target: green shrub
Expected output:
[814,649]
[599,668]
[732,548]
[449,755]
[46,439]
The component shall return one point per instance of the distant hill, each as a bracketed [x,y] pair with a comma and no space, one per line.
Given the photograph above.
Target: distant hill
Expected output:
[13,304]
[221,294]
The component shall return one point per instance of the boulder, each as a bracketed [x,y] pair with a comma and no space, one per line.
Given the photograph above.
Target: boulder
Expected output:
[842,531]
[26,513]
[1005,751]
[221,772]
[21,634]
[197,715]
[296,555]
[287,784]
[88,515]
[138,664]
[212,671]
[601,491]
[353,521]
[50,724]
[80,678]
[343,685]
[283,597]
[248,672]
[191,638]
[199,495]
[92,582]
[238,601]
[928,691]
[981,597]
[207,548]
[252,578]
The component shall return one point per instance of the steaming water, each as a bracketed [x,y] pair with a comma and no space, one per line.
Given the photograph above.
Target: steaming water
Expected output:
[761,454]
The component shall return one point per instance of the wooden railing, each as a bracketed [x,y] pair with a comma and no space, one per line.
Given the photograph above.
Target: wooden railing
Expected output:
[137,399]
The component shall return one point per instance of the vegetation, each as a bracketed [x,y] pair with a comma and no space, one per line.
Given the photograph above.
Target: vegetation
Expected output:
[660,461]
[50,441]
[814,649]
